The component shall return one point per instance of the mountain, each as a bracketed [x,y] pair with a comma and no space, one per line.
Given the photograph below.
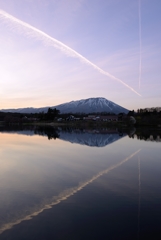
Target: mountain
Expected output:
[90,105]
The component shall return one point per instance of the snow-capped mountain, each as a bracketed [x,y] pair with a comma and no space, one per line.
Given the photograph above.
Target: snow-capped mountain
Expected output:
[90,105]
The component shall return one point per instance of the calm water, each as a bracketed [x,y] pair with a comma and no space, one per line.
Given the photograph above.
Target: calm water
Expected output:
[79,184]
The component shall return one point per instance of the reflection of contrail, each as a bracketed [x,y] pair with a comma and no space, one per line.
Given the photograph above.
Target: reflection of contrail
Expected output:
[34,32]
[139,177]
[65,194]
[140,43]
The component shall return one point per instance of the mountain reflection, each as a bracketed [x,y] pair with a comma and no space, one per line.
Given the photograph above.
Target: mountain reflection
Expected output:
[92,138]
[89,137]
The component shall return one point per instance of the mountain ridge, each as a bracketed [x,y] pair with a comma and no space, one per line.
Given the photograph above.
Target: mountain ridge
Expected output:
[89,105]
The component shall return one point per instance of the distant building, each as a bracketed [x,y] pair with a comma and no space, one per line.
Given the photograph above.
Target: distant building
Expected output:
[111,118]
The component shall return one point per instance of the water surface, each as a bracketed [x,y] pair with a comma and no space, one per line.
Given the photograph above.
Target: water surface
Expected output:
[79,184]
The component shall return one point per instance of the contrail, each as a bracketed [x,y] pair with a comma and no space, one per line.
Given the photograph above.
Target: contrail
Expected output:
[140,44]
[36,33]
[65,195]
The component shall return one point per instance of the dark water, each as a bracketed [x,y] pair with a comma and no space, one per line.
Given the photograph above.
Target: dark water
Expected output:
[79,184]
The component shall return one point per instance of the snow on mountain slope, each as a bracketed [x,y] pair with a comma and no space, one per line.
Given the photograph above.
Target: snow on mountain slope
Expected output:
[90,105]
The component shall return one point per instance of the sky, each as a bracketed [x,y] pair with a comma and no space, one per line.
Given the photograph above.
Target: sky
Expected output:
[57,51]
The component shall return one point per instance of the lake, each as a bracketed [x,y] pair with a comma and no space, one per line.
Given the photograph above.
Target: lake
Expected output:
[79,184]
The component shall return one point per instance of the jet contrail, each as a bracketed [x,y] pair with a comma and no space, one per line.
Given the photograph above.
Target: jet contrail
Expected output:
[57,44]
[140,44]
[65,195]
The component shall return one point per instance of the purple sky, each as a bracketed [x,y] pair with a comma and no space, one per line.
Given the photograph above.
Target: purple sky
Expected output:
[55,51]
